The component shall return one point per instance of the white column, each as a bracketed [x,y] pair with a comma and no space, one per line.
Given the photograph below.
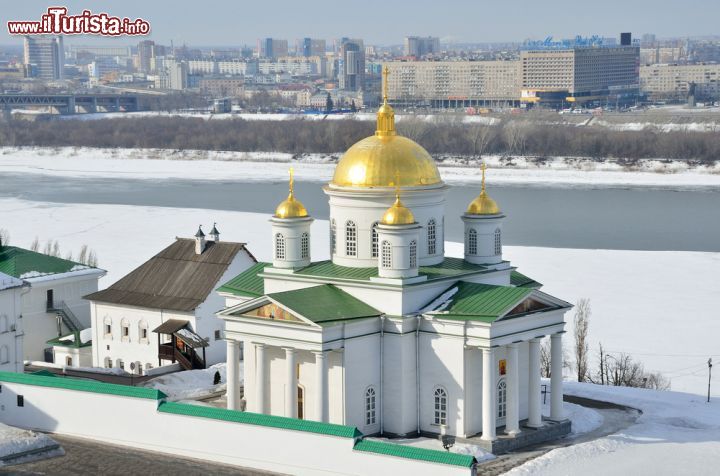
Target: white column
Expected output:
[534,414]
[556,378]
[233,375]
[488,395]
[290,384]
[321,406]
[260,406]
[512,417]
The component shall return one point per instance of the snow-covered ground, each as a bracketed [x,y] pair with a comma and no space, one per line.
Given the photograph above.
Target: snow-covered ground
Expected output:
[156,164]
[190,384]
[677,433]
[659,306]
[14,440]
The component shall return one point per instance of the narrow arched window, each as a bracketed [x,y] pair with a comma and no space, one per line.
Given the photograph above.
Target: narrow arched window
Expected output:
[350,239]
[413,254]
[375,240]
[370,413]
[432,237]
[333,230]
[125,329]
[386,255]
[143,331]
[440,400]
[502,399]
[498,242]
[279,246]
[107,326]
[305,245]
[472,242]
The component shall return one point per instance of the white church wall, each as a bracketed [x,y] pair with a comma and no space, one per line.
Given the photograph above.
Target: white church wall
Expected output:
[399,379]
[336,387]
[41,326]
[473,390]
[275,380]
[362,370]
[77,413]
[11,333]
[441,367]
[72,356]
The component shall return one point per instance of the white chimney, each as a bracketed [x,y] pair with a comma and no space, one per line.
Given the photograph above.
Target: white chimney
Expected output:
[199,241]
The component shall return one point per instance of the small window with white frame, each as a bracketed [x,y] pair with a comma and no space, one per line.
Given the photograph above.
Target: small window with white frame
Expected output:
[432,237]
[350,239]
[386,255]
[413,254]
[370,406]
[498,242]
[440,400]
[472,242]
[305,245]
[279,246]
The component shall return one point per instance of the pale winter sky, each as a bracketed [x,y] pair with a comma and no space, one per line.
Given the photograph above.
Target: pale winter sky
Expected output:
[237,22]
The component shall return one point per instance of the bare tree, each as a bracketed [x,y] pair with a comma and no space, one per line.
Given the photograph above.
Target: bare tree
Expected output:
[4,237]
[92,259]
[82,256]
[35,246]
[623,371]
[56,249]
[545,359]
[413,128]
[581,322]
[480,135]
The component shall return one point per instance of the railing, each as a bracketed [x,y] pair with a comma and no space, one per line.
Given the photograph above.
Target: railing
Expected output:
[66,314]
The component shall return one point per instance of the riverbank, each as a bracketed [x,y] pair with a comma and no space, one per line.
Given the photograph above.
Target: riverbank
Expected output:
[153,164]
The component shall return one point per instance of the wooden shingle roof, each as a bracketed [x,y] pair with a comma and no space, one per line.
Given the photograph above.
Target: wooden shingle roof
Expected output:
[175,279]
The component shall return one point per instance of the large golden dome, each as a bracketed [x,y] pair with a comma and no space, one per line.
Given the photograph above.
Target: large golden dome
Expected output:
[377,160]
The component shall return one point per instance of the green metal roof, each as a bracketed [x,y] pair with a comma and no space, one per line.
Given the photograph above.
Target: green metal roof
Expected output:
[75,343]
[247,283]
[449,267]
[520,280]
[82,385]
[483,302]
[325,303]
[411,452]
[26,264]
[259,419]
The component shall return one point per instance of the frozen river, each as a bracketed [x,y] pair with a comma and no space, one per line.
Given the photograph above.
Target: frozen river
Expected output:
[607,218]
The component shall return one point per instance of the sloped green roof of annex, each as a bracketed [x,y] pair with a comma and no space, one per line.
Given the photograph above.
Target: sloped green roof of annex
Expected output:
[520,280]
[411,452]
[482,302]
[259,419]
[247,283]
[75,343]
[24,264]
[82,385]
[324,304]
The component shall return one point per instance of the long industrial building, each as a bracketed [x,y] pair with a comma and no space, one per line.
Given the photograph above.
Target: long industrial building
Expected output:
[454,83]
[673,81]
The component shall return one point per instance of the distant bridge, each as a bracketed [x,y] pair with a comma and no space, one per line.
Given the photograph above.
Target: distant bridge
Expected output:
[72,103]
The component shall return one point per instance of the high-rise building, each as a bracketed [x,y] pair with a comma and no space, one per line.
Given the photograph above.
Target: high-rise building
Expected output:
[351,65]
[579,73]
[272,48]
[44,56]
[310,47]
[420,46]
[146,52]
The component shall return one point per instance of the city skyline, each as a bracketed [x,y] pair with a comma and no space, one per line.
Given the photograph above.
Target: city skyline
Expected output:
[386,24]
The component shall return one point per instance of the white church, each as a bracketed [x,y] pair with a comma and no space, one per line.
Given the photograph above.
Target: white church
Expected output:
[390,335]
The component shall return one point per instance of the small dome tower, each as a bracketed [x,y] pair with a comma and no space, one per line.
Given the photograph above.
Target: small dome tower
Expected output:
[483,229]
[291,232]
[398,234]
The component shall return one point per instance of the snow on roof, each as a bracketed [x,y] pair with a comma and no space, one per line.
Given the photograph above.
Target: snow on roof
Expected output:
[7,282]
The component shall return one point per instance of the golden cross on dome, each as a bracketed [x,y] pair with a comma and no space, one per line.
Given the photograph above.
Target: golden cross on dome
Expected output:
[292,179]
[483,175]
[385,73]
[397,185]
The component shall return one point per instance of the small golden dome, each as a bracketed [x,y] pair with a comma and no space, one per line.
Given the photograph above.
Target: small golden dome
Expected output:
[374,161]
[398,214]
[290,207]
[483,204]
